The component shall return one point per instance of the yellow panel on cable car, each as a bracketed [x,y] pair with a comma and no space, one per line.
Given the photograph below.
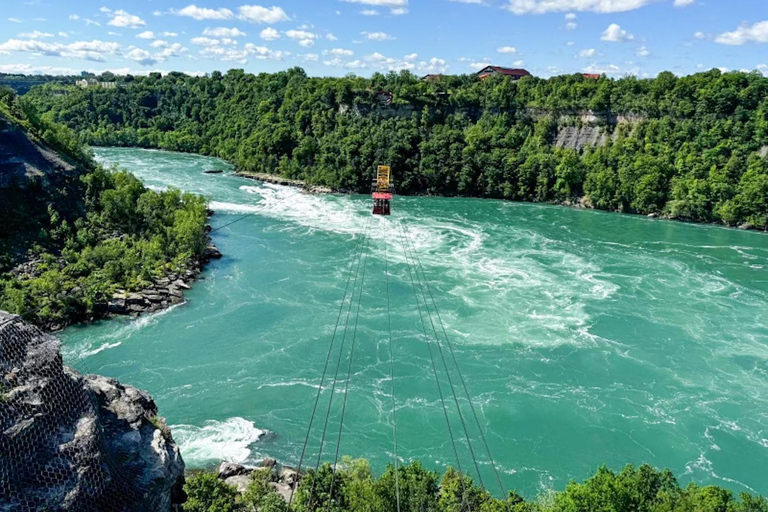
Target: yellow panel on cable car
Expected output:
[382,190]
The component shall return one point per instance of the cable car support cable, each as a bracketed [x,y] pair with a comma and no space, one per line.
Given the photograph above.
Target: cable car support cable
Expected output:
[458,370]
[357,252]
[434,369]
[442,355]
[349,377]
[392,379]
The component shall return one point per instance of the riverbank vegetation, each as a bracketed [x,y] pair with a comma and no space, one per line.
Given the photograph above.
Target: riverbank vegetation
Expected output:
[688,147]
[641,489]
[70,239]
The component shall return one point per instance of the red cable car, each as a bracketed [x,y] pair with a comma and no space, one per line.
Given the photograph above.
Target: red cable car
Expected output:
[382,191]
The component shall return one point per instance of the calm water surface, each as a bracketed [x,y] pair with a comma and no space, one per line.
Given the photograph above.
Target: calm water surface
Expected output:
[584,337]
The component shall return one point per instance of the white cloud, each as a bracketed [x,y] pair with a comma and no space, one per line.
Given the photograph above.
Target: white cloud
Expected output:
[763,68]
[398,12]
[74,17]
[63,34]
[377,36]
[259,14]
[89,50]
[468,1]
[202,13]
[684,3]
[587,53]
[519,63]
[303,37]
[643,52]
[143,57]
[207,41]
[15,20]
[412,56]
[159,43]
[147,34]
[269,34]
[36,35]
[339,52]
[478,65]
[507,49]
[242,55]
[369,12]
[609,69]
[615,34]
[699,35]
[311,57]
[223,32]
[146,58]
[604,6]
[570,16]
[392,4]
[120,18]
[331,37]
[757,33]
[170,34]
[571,25]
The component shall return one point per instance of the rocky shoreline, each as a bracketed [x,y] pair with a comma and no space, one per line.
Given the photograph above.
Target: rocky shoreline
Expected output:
[279,180]
[165,291]
[281,478]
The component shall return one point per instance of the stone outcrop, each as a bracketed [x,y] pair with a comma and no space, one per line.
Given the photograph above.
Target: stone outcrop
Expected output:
[281,478]
[72,442]
[580,137]
[23,159]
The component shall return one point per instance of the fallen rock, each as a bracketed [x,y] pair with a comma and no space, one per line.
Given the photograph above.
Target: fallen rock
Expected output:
[283,489]
[181,284]
[746,225]
[288,475]
[653,215]
[213,252]
[241,482]
[214,171]
[228,469]
[268,463]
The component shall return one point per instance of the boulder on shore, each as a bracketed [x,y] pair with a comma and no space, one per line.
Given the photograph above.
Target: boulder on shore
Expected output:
[73,442]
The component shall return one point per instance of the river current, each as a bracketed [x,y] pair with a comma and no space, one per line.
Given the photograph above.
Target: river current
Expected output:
[584,337]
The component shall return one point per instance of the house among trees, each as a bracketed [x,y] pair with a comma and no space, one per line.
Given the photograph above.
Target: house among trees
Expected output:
[591,76]
[514,74]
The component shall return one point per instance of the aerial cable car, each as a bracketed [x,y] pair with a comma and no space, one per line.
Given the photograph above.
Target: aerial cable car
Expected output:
[382,191]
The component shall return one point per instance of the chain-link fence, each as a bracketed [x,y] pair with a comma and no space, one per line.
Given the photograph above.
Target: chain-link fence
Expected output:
[73,442]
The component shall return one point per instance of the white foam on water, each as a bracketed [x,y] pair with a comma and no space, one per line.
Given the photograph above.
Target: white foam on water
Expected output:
[118,332]
[105,346]
[215,441]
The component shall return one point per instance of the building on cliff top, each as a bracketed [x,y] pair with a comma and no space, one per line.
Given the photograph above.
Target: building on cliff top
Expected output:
[513,73]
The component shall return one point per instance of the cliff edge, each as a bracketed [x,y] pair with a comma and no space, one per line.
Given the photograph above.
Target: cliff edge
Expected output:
[72,442]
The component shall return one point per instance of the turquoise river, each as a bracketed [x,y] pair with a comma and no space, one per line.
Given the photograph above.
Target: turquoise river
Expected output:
[584,337]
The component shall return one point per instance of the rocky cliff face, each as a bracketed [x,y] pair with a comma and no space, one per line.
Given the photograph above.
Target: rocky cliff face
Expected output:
[72,442]
[23,160]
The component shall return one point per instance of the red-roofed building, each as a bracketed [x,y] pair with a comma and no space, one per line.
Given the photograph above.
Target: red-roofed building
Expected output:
[514,74]
[591,76]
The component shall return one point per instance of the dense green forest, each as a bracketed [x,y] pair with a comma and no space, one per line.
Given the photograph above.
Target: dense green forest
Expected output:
[66,245]
[642,489]
[687,147]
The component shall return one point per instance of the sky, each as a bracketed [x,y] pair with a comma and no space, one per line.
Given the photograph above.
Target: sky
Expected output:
[337,37]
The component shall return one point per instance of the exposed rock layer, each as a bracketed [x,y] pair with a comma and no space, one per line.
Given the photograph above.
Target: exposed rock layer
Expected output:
[70,442]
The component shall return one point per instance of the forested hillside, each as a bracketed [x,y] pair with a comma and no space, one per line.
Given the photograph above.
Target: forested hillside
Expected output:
[688,147]
[72,232]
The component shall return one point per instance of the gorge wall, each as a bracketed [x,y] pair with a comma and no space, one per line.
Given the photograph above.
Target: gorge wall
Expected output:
[75,442]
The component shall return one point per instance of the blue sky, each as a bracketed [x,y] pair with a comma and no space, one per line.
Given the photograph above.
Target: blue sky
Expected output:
[336,37]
